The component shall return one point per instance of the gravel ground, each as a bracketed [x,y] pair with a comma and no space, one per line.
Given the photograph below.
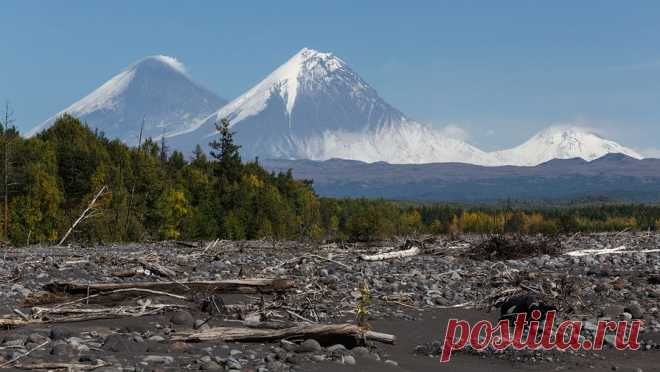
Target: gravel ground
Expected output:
[411,297]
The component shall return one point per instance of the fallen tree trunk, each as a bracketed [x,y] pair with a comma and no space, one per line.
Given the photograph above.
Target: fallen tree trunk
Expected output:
[414,251]
[615,250]
[63,366]
[246,286]
[42,315]
[316,331]
[187,244]
[13,321]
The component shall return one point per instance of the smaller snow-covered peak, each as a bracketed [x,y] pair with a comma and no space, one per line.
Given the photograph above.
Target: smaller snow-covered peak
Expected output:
[562,142]
[155,89]
[106,96]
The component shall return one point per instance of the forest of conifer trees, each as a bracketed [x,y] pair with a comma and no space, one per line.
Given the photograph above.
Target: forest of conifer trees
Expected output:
[153,194]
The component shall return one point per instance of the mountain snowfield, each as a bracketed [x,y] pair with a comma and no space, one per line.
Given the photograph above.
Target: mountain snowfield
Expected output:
[314,106]
[156,90]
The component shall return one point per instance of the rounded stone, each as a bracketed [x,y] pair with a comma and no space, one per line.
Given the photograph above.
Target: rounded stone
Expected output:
[182,318]
[309,346]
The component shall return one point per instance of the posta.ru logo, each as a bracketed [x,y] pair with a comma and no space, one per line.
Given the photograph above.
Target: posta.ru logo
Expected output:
[567,335]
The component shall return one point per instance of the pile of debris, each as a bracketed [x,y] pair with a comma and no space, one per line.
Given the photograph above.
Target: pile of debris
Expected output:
[513,247]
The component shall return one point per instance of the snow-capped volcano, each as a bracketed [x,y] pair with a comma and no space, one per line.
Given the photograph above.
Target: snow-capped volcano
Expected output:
[155,89]
[316,107]
[561,142]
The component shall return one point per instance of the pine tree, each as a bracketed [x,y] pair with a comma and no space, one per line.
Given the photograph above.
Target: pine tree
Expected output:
[199,158]
[163,149]
[225,151]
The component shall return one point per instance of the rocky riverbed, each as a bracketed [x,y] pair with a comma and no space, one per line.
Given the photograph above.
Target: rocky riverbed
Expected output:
[588,277]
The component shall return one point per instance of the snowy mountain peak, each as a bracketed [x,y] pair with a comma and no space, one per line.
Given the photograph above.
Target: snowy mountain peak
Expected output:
[156,89]
[168,61]
[313,95]
[306,70]
[565,135]
[308,53]
[562,142]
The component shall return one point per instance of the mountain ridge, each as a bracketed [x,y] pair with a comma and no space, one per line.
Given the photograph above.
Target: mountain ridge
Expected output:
[615,176]
[313,106]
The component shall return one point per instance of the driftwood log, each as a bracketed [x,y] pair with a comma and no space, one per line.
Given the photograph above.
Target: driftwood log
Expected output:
[14,321]
[414,251]
[42,315]
[246,286]
[60,366]
[315,331]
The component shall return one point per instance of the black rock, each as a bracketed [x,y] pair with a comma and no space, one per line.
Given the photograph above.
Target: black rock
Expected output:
[635,310]
[36,338]
[182,318]
[61,350]
[523,304]
[60,333]
[117,344]
[309,346]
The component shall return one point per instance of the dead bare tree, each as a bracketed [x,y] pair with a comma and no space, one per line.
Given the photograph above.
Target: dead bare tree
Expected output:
[85,214]
[7,121]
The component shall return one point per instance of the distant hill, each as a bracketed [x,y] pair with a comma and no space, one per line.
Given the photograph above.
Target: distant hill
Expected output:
[613,176]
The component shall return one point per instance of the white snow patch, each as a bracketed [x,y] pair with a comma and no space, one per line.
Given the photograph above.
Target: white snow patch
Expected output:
[409,142]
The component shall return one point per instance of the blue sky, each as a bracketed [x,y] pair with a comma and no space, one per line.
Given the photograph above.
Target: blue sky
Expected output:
[498,70]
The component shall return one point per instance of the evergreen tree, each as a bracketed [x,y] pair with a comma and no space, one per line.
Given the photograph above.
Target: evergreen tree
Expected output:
[225,151]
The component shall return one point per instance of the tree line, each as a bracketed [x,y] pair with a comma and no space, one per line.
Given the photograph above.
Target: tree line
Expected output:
[146,192]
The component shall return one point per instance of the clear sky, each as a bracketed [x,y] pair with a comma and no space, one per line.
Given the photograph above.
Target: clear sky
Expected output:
[498,70]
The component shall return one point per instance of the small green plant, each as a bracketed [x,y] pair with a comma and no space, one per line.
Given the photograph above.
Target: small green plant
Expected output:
[362,313]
